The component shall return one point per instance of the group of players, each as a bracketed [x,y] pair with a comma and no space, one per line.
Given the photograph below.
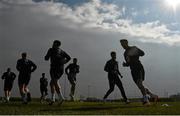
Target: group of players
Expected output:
[58,58]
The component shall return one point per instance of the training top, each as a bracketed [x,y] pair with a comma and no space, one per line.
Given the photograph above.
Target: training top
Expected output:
[43,82]
[57,57]
[9,77]
[112,67]
[133,60]
[25,66]
[73,68]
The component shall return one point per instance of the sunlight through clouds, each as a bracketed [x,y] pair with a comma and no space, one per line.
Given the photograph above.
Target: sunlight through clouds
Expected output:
[104,16]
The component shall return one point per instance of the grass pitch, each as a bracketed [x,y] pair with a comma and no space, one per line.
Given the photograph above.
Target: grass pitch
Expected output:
[88,108]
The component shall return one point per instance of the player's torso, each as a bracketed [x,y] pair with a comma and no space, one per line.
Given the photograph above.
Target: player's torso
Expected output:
[73,68]
[57,57]
[25,65]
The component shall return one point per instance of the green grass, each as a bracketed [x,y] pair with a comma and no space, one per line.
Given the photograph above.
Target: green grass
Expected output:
[36,108]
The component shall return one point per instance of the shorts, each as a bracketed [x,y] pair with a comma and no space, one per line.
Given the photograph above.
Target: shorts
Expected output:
[43,89]
[56,73]
[138,72]
[8,86]
[24,79]
[72,78]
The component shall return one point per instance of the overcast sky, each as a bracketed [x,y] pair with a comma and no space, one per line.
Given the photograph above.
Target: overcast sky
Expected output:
[90,30]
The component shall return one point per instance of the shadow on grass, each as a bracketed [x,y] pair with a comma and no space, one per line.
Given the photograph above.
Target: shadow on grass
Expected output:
[90,108]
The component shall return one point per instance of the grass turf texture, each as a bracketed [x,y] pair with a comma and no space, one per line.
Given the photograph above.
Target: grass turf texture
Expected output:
[88,108]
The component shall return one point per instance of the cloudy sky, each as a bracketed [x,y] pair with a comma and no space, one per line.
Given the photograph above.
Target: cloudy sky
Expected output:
[90,30]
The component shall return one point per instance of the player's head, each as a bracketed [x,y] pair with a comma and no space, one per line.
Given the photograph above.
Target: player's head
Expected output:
[56,44]
[8,69]
[113,55]
[43,74]
[24,55]
[74,60]
[124,43]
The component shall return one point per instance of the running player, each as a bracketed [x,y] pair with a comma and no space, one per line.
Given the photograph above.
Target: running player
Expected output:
[9,78]
[43,87]
[58,58]
[131,55]
[113,76]
[71,71]
[25,68]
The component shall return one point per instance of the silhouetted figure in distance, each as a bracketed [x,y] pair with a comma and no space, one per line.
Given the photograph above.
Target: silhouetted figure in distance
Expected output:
[43,87]
[113,76]
[58,58]
[71,71]
[131,56]
[8,78]
[25,68]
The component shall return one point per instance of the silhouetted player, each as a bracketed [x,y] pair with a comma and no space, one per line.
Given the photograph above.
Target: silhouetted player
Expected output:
[131,55]
[113,76]
[71,71]
[58,58]
[43,87]
[25,68]
[9,78]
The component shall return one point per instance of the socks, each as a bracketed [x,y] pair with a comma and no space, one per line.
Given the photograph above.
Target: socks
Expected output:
[53,97]
[146,98]
[60,96]
[23,96]
[7,98]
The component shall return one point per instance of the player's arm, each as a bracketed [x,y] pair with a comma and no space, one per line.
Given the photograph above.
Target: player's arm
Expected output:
[14,76]
[48,55]
[46,82]
[119,72]
[68,58]
[140,52]
[66,69]
[18,67]
[126,63]
[106,67]
[34,67]
[3,76]
[78,67]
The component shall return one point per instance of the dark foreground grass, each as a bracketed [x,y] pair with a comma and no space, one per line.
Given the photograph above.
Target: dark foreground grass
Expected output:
[88,108]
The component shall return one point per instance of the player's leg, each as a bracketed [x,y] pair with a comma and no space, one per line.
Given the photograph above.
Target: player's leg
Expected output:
[111,86]
[58,75]
[45,93]
[53,97]
[26,89]
[22,92]
[140,85]
[21,88]
[6,95]
[42,94]
[138,77]
[153,96]
[52,85]
[72,81]
[73,88]
[121,88]
[6,91]
[59,92]
[9,91]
